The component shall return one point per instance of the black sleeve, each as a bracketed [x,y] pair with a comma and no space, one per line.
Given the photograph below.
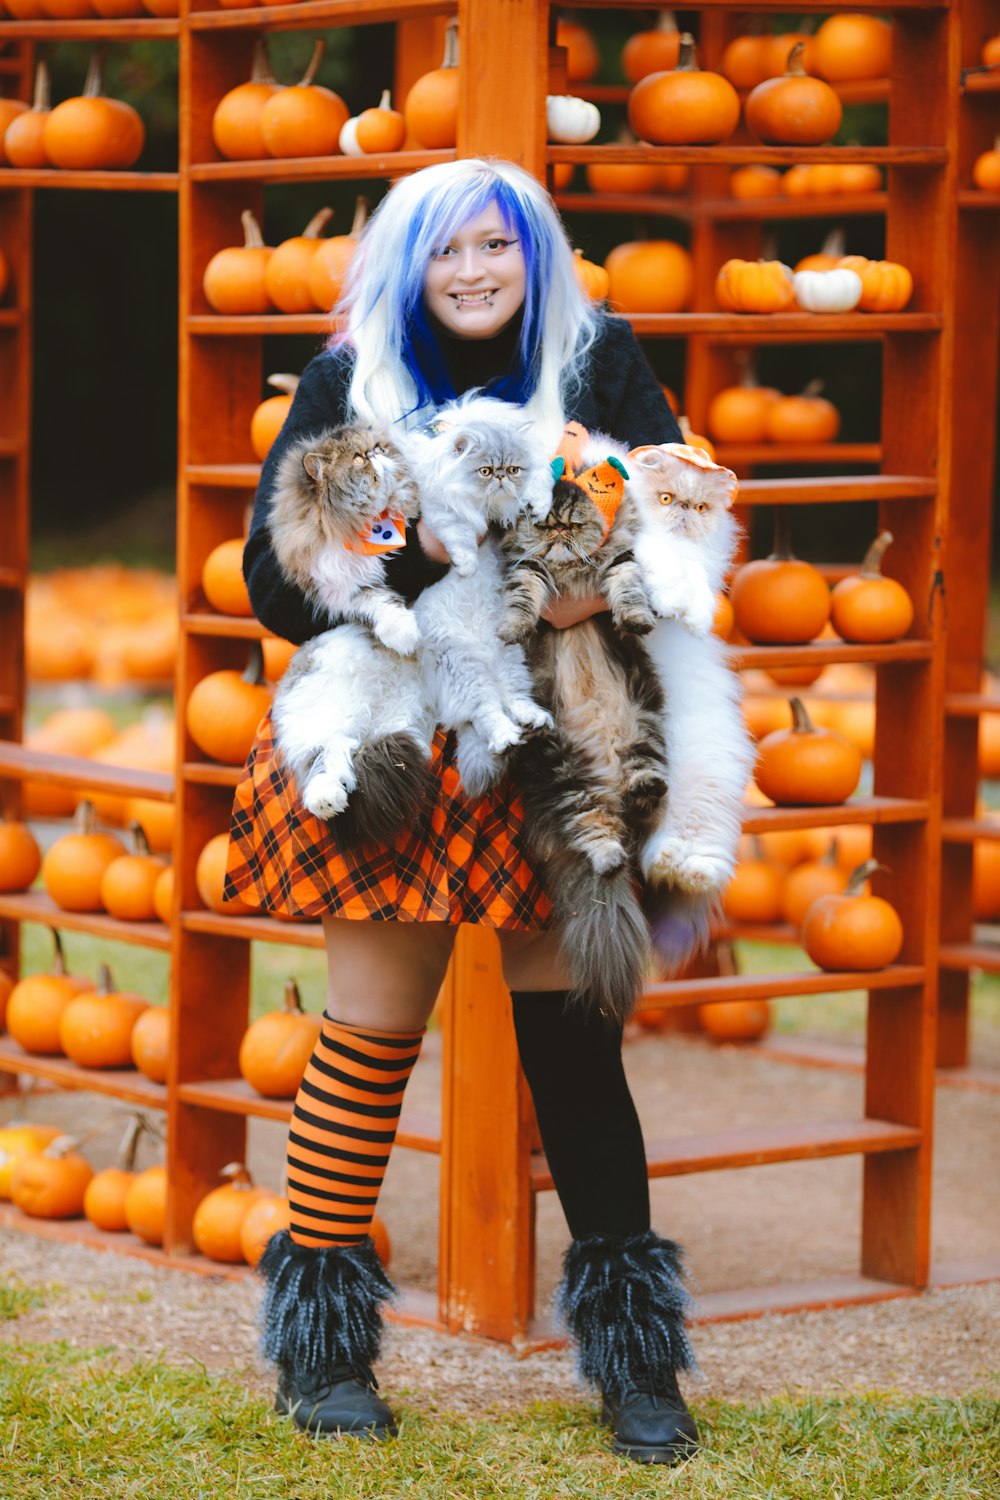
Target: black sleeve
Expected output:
[623,397]
[320,402]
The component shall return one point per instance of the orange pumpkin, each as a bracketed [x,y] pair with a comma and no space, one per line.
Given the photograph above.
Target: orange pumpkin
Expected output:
[991,51]
[583,58]
[20,856]
[746,61]
[780,600]
[22,141]
[673,179]
[269,417]
[95,1029]
[985,168]
[277,655]
[149,1043]
[306,119]
[146,1205]
[724,620]
[869,607]
[9,110]
[209,879]
[74,865]
[51,1183]
[826,259]
[650,276]
[92,131]
[147,745]
[857,177]
[127,883]
[684,107]
[886,286]
[156,819]
[163,895]
[737,414]
[694,439]
[268,1214]
[805,418]
[793,110]
[986,880]
[763,286]
[222,579]
[431,107]
[380,1239]
[21,1138]
[594,279]
[755,892]
[781,47]
[225,707]
[104,1199]
[219,1216]
[36,1003]
[623,177]
[655,50]
[331,262]
[67,10]
[754,182]
[851,47]
[807,882]
[275,1049]
[854,930]
[236,122]
[286,275]
[807,766]
[6,986]
[235,279]
[381,129]
[735,1020]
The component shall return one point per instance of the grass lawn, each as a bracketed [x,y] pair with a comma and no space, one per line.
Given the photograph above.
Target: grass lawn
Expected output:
[74,1423]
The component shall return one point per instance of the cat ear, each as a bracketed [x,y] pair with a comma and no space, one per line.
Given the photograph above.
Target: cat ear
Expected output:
[462,443]
[647,457]
[313,465]
[651,457]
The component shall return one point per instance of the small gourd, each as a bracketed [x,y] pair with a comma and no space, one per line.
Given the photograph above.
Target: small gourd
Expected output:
[737,413]
[269,417]
[381,129]
[225,707]
[286,274]
[150,1042]
[684,107]
[827,258]
[755,892]
[780,600]
[329,266]
[36,1003]
[20,856]
[754,182]
[985,168]
[127,883]
[267,1215]
[9,110]
[805,418]
[74,865]
[163,895]
[95,1029]
[570,120]
[655,50]
[853,930]
[236,122]
[146,1205]
[104,1199]
[305,119]
[51,1183]
[222,579]
[210,877]
[810,880]
[886,286]
[593,278]
[754,286]
[835,291]
[17,1139]
[851,47]
[431,107]
[235,279]
[868,607]
[650,276]
[93,132]
[795,109]
[276,1047]
[805,766]
[582,56]
[22,140]
[219,1216]
[746,60]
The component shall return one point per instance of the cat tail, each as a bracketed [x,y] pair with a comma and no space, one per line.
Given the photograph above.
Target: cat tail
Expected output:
[604,937]
[394,784]
[680,924]
[478,766]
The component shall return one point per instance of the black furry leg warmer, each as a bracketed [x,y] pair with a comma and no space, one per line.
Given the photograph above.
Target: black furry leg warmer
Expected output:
[624,1302]
[322,1308]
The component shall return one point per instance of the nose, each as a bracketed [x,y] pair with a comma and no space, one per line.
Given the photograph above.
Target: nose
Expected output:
[469,265]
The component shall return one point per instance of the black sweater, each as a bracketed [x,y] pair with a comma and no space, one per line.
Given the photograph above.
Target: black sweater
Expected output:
[621,396]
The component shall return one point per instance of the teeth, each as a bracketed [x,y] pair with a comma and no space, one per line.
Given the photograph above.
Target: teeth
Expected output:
[474,297]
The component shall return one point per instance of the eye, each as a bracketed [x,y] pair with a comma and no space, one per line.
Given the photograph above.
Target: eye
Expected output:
[372,452]
[487,472]
[359,460]
[701,507]
[498,244]
[513,470]
[666,499]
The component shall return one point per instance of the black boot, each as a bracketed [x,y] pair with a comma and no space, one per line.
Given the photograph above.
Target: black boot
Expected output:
[624,1302]
[322,1327]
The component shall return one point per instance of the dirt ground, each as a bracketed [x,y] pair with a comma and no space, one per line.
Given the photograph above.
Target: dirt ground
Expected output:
[755,1227]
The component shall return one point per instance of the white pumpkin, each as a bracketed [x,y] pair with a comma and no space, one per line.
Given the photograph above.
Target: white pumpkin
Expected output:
[348,140]
[827,291]
[571,120]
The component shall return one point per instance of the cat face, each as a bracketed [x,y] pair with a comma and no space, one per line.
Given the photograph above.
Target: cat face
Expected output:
[680,489]
[356,474]
[571,533]
[496,462]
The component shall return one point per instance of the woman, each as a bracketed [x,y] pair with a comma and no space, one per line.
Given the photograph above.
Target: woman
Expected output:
[463,279]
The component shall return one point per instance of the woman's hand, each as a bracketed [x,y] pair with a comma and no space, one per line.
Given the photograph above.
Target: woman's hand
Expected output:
[564,611]
[435,550]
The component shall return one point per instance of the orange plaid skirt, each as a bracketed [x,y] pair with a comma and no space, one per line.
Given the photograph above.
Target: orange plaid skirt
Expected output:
[466,860]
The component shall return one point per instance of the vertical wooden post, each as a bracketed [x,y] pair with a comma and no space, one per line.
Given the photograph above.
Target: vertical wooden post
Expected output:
[503,46]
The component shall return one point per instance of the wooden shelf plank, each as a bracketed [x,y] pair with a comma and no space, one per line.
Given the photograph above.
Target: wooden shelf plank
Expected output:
[835,490]
[13,579]
[858,810]
[120,181]
[981,79]
[656,205]
[759,155]
[224,476]
[822,327]
[758,932]
[119,1083]
[10,317]
[36,906]
[317,14]
[962,957]
[134,29]
[824,653]
[673,206]
[742,455]
[669,993]
[208,773]
[21,763]
[236,627]
[761,1145]
[795,1296]
[317,168]
[260,929]
[213,325]
[974,199]
[970,705]
[418,1130]
[968,830]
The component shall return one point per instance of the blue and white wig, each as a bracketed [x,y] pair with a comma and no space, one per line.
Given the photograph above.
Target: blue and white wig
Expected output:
[399,371]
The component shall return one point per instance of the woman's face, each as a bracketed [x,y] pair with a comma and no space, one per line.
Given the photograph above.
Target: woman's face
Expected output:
[476,283]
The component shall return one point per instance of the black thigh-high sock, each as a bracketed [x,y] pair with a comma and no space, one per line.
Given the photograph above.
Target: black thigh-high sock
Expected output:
[588,1123]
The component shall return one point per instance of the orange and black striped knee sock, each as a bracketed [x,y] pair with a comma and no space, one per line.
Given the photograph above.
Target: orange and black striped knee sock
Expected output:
[343,1126]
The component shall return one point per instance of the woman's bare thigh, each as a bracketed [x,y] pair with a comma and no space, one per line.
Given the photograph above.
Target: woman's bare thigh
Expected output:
[385,975]
[532,961]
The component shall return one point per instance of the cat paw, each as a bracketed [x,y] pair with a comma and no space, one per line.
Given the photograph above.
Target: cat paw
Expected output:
[502,734]
[699,615]
[607,857]
[400,633]
[671,602]
[513,629]
[530,716]
[675,861]
[325,796]
[634,622]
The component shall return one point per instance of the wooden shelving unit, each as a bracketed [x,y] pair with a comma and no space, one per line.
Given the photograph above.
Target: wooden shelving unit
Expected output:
[483,1137]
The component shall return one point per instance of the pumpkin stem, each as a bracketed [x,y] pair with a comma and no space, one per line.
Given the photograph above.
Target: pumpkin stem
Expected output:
[361,207]
[260,70]
[140,842]
[830,857]
[293,999]
[748,372]
[130,1142]
[801,722]
[860,877]
[794,66]
[237,1174]
[314,62]
[85,818]
[871,566]
[253,672]
[43,96]
[253,239]
[58,963]
[386,100]
[812,390]
[92,83]
[61,1145]
[726,955]
[287,383]
[105,984]
[687,58]
[450,59]
[757,848]
[781,546]
[666,21]
[835,242]
[317,223]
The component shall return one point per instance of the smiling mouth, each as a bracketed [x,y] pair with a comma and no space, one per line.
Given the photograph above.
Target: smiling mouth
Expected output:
[475,299]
